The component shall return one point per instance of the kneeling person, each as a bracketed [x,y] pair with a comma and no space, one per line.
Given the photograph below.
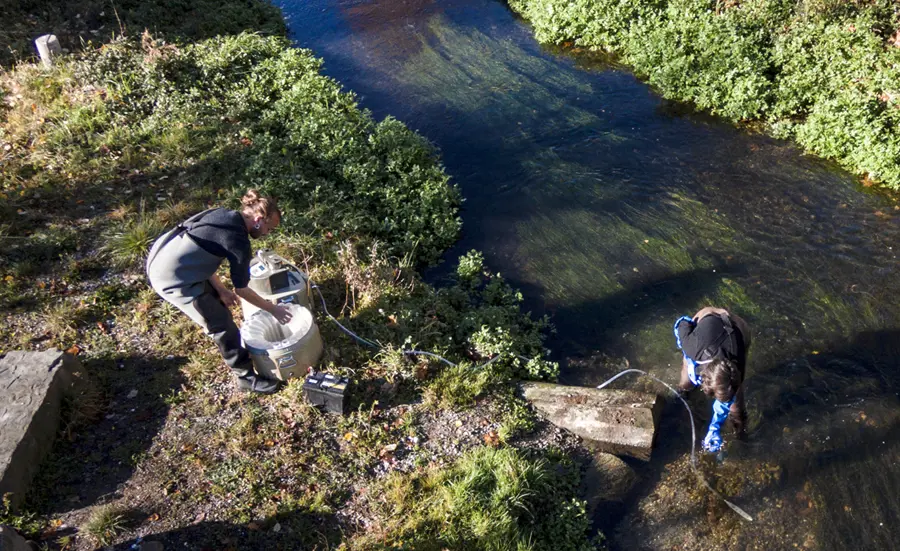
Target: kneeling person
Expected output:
[182,267]
[714,347]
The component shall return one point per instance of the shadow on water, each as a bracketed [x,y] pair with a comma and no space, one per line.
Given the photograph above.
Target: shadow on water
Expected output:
[832,420]
[600,324]
[827,423]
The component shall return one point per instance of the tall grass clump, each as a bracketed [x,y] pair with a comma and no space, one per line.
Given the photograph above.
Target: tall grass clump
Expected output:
[129,244]
[490,499]
[823,72]
[105,523]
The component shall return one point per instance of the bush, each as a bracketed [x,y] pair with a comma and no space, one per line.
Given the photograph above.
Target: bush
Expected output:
[470,322]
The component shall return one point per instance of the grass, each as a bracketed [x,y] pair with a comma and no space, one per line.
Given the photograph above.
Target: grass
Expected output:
[105,523]
[129,244]
[490,499]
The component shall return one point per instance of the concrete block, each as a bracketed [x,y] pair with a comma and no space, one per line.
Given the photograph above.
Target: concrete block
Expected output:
[621,422]
[48,48]
[32,385]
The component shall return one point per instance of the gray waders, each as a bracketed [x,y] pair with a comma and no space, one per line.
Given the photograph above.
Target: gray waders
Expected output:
[179,271]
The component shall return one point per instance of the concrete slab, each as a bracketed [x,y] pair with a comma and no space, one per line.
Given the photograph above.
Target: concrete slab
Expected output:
[32,385]
[621,422]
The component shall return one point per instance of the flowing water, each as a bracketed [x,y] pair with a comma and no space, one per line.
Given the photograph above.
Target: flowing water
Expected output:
[616,211]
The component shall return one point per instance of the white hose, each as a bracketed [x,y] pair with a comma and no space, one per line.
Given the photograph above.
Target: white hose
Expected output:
[746,516]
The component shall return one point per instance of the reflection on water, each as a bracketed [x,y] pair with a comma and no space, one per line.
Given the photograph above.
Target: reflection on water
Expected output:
[616,213]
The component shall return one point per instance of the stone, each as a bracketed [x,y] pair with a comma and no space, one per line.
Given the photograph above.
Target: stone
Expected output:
[32,385]
[621,422]
[48,48]
[606,479]
[10,540]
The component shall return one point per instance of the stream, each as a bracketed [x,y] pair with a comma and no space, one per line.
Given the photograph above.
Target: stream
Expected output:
[616,211]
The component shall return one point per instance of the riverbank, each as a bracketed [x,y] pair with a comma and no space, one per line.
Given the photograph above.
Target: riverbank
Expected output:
[823,73]
[108,148]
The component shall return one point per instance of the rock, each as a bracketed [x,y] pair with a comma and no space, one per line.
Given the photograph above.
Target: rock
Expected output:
[151,546]
[621,422]
[33,384]
[606,479]
[10,540]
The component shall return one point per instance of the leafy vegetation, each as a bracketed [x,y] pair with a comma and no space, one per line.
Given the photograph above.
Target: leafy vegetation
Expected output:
[823,72]
[247,106]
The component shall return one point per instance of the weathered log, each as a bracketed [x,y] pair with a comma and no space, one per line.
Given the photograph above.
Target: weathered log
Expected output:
[621,422]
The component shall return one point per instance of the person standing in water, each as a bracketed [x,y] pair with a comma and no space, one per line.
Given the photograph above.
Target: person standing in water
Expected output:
[182,267]
[714,347]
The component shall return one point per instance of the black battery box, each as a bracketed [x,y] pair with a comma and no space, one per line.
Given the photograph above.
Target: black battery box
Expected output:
[328,391]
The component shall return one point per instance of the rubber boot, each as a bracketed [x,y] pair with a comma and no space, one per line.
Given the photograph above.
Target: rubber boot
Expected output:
[248,381]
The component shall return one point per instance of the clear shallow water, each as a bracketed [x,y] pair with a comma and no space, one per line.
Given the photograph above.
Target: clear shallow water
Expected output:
[616,211]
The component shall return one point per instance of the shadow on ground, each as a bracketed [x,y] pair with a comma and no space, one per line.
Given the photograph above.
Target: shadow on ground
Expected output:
[106,430]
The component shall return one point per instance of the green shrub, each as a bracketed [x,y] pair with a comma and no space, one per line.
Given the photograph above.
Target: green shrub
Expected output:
[470,322]
[491,499]
[258,110]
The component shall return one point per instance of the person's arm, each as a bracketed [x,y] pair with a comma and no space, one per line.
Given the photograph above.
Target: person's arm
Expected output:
[281,313]
[713,441]
[709,310]
[228,298]
[682,329]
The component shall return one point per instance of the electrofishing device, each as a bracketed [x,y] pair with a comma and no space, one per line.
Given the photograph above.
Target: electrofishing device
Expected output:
[276,280]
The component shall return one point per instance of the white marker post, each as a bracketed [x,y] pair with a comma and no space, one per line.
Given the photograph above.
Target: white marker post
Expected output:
[48,48]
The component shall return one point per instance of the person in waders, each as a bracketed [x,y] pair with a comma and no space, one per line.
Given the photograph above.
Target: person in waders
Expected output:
[714,347]
[182,267]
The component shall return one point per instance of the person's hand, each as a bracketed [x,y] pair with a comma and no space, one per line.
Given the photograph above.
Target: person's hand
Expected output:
[281,313]
[713,442]
[228,298]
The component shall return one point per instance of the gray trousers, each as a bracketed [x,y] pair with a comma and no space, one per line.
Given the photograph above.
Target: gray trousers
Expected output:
[177,269]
